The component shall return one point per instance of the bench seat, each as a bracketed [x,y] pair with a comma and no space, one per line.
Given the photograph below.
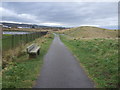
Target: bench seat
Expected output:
[33,50]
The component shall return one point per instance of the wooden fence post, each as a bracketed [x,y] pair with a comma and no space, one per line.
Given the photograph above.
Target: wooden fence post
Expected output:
[26,38]
[12,41]
[37,34]
[20,39]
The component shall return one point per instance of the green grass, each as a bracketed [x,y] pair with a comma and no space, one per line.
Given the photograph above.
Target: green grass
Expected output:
[99,57]
[23,72]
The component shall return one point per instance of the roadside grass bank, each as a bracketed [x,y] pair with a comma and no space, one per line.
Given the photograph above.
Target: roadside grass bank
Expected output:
[22,72]
[99,58]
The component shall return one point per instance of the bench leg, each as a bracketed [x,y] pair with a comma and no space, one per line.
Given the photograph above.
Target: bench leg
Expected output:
[38,53]
[32,55]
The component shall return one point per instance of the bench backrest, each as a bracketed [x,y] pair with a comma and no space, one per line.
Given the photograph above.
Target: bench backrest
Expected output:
[29,48]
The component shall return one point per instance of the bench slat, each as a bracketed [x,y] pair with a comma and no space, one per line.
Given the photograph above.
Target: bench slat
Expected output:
[34,50]
[29,48]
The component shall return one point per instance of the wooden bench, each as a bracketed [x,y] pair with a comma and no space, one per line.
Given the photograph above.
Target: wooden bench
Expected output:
[33,50]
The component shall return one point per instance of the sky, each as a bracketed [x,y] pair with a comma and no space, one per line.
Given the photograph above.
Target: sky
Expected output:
[67,14]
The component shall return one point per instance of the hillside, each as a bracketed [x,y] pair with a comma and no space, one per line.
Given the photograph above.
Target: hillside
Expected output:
[96,50]
[90,32]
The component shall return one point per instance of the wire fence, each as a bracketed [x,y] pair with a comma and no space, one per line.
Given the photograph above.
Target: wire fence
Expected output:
[12,41]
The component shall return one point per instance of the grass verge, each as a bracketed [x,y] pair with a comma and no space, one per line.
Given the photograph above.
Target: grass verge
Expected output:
[22,72]
[99,57]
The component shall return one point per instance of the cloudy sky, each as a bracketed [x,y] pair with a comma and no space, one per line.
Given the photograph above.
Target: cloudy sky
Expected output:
[69,14]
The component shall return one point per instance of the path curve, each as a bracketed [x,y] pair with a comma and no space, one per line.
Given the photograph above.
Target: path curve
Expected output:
[61,69]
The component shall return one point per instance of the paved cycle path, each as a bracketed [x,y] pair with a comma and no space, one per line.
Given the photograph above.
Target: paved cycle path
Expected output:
[61,69]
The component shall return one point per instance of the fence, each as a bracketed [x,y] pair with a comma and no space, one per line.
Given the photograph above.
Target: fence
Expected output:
[12,41]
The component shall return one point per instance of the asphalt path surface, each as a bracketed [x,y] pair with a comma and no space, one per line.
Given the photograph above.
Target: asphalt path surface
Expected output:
[61,69]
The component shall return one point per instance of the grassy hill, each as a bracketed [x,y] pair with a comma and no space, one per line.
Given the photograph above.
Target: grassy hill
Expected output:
[90,32]
[96,49]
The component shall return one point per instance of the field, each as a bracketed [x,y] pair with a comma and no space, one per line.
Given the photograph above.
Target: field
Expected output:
[97,51]
[19,72]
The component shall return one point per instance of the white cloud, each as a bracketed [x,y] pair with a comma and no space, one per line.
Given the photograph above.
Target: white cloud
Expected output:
[110,21]
[6,12]
[15,22]
[28,17]
[89,25]
[86,10]
[60,1]
[10,13]
[51,24]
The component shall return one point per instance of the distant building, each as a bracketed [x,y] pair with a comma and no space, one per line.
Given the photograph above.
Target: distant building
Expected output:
[19,27]
[26,27]
[23,27]
[1,25]
[5,26]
